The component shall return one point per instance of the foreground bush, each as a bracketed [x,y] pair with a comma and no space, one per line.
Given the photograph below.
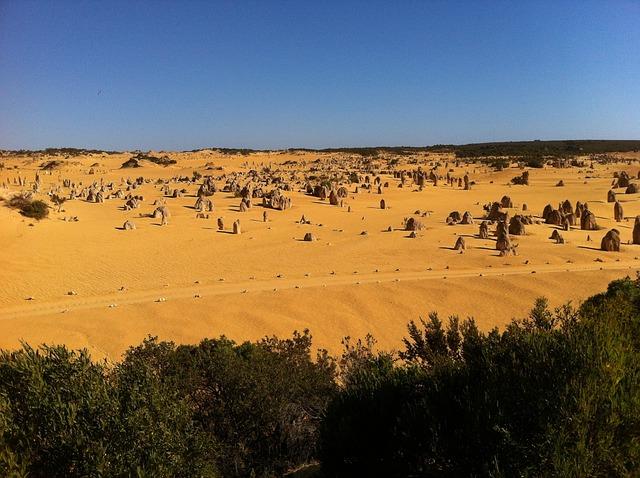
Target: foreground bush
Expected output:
[555,394]
[63,415]
[215,409]
[261,402]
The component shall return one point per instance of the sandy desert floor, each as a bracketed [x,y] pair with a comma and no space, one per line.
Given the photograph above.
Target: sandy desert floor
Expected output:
[186,280]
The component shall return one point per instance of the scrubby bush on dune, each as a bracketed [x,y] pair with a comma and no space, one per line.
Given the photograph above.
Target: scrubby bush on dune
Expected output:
[130,163]
[534,161]
[51,165]
[36,210]
[28,207]
[19,201]
[499,163]
[555,394]
[161,161]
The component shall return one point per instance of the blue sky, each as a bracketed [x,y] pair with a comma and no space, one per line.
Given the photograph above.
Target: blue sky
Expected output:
[274,74]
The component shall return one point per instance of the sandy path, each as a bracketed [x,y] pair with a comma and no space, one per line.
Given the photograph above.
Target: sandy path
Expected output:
[34,308]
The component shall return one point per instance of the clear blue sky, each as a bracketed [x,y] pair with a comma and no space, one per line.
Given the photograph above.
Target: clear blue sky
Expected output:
[272,74]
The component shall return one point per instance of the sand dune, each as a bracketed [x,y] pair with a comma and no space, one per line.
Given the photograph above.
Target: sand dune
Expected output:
[187,280]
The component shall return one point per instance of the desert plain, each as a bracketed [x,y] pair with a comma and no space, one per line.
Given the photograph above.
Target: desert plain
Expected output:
[80,278]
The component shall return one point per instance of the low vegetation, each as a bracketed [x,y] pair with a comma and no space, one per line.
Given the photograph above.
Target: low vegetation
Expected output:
[52,165]
[130,163]
[514,149]
[555,394]
[161,161]
[34,209]
[555,149]
[67,152]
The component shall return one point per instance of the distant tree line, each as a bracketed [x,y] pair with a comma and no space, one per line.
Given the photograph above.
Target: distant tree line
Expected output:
[60,152]
[231,151]
[522,149]
[549,149]
[555,394]
[555,149]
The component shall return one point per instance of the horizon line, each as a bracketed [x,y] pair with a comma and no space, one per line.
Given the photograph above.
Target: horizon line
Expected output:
[318,149]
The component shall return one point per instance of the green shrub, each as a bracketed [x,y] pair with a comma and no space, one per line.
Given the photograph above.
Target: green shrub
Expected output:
[19,201]
[57,409]
[63,415]
[36,210]
[557,394]
[260,402]
[534,161]
[29,208]
[162,161]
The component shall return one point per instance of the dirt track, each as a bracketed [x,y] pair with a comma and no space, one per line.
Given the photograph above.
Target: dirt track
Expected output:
[34,308]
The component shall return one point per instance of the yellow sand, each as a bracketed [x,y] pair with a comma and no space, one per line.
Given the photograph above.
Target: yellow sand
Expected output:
[172,274]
